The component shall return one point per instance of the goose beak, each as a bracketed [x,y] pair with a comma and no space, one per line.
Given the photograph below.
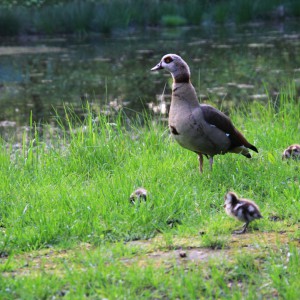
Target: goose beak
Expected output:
[157,67]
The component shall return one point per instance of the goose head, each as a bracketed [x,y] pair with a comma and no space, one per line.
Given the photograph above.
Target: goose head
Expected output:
[176,66]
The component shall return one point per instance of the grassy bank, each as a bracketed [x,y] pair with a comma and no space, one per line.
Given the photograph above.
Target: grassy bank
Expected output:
[68,228]
[57,17]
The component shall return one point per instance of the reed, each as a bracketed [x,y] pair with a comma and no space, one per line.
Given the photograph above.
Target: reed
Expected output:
[77,17]
[10,22]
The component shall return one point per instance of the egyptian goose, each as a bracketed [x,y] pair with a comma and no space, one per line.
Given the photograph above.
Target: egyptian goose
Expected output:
[292,151]
[243,210]
[139,194]
[199,127]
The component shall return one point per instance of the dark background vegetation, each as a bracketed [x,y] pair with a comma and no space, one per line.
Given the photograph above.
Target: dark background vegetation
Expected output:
[103,16]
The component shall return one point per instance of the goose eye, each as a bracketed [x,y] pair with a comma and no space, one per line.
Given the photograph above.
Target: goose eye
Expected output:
[168,59]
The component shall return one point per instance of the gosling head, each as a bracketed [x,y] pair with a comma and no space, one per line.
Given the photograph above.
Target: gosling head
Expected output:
[231,199]
[176,66]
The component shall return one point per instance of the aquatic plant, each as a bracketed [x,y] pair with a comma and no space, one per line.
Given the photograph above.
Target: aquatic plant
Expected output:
[54,17]
[173,20]
[10,22]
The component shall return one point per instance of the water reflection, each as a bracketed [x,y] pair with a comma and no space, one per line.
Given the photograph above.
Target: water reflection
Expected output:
[229,65]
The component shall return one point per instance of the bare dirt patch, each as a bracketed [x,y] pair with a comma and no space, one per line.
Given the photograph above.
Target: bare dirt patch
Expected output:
[156,251]
[190,249]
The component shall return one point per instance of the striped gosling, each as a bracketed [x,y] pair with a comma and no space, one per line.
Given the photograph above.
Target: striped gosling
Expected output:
[292,151]
[139,194]
[243,210]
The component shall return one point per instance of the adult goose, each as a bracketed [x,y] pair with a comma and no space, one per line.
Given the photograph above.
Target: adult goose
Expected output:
[200,128]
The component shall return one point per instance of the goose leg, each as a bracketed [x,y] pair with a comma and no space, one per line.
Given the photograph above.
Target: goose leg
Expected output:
[200,158]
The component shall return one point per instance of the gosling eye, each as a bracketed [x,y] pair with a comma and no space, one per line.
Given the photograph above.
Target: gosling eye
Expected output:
[168,59]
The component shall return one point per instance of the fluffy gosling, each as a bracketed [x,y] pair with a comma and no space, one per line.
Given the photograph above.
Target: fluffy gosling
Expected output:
[292,152]
[243,210]
[138,195]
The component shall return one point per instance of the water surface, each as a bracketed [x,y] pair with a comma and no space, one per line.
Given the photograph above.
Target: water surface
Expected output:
[229,65]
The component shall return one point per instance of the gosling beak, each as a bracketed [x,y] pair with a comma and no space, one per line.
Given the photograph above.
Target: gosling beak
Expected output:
[157,67]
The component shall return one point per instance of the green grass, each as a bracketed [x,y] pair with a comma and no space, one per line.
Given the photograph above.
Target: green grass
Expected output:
[67,222]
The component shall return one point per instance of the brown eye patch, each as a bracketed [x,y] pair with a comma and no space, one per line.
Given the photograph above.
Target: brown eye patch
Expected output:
[168,59]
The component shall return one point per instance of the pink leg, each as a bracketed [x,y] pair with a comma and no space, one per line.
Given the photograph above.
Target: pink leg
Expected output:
[200,158]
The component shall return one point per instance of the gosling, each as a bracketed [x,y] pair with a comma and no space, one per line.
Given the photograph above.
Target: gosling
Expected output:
[138,195]
[243,210]
[292,152]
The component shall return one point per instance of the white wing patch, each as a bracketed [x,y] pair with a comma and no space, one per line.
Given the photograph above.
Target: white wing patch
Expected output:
[238,206]
[251,208]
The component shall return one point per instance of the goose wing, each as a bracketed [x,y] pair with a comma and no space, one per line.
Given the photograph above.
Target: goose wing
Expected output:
[216,118]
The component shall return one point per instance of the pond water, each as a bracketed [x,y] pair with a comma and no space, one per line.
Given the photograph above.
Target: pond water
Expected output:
[229,65]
